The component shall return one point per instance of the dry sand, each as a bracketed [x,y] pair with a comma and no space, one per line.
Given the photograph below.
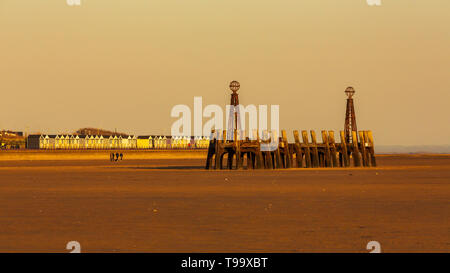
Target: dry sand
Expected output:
[173,205]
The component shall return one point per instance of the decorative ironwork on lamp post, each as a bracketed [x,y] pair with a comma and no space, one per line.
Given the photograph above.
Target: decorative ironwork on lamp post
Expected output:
[350,117]
[234,120]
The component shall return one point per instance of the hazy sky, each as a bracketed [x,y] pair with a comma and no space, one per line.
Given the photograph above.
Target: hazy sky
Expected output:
[125,63]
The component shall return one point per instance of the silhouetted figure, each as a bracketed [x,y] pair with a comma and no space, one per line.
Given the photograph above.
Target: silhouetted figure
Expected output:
[117,156]
[121,156]
[111,157]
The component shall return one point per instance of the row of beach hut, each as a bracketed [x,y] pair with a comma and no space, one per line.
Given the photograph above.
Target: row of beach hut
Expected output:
[78,142]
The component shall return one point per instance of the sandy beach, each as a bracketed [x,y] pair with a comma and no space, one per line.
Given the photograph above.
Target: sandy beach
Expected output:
[166,202]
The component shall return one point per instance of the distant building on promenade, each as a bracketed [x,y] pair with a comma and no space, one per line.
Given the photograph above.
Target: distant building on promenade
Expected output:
[145,142]
[111,142]
[8,133]
[33,141]
[11,140]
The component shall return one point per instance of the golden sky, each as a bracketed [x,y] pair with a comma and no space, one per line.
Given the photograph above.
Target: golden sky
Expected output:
[125,63]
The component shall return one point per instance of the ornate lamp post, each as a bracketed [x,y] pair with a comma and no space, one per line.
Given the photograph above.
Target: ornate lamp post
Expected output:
[350,118]
[234,122]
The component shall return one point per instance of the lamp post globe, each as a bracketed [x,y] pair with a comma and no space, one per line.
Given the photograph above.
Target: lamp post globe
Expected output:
[234,86]
[350,92]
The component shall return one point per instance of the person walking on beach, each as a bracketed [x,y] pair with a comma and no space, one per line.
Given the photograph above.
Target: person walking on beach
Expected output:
[111,157]
[117,156]
[121,156]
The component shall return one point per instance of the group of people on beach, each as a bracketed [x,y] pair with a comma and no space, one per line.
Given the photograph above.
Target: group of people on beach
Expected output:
[115,156]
